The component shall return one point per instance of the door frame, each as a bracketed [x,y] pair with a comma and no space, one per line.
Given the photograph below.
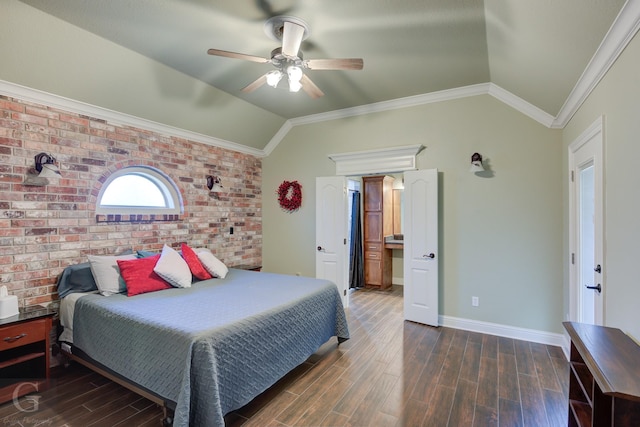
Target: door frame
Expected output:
[593,133]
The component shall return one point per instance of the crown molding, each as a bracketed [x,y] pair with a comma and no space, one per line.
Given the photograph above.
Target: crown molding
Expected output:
[377,107]
[279,136]
[384,160]
[492,89]
[117,118]
[521,105]
[394,104]
[623,29]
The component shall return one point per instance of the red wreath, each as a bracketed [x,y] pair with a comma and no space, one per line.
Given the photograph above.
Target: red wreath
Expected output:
[290,195]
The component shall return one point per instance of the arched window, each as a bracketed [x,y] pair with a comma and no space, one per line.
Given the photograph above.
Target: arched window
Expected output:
[139,190]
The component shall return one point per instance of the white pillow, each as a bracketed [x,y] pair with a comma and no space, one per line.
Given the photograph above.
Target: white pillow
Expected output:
[213,265]
[107,274]
[173,268]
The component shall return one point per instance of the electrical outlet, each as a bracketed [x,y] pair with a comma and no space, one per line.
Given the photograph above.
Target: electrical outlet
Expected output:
[475,301]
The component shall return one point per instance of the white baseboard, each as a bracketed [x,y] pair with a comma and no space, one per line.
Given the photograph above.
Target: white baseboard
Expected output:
[542,337]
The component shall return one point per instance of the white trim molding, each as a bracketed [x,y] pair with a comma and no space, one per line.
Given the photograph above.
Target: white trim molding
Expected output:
[492,89]
[117,118]
[385,160]
[623,29]
[542,337]
[394,104]
[521,105]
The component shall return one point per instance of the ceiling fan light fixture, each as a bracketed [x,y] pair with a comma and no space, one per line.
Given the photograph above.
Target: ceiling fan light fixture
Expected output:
[294,73]
[294,86]
[274,77]
[288,59]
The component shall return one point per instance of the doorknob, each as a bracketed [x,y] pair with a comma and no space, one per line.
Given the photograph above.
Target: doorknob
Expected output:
[431,255]
[597,288]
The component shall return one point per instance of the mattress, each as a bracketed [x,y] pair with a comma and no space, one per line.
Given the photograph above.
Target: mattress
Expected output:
[67,309]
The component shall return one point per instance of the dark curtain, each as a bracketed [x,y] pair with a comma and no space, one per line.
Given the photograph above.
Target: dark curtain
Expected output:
[356,265]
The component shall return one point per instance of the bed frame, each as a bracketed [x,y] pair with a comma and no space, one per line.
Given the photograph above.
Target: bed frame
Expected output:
[77,355]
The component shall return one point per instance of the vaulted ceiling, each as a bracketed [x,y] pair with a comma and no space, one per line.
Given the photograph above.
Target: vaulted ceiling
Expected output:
[534,49]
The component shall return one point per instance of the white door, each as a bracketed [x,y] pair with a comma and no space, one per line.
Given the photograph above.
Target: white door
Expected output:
[331,232]
[420,228]
[586,227]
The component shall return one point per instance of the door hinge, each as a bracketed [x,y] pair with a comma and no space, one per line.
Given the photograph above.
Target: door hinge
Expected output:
[573,178]
[345,242]
[345,292]
[573,258]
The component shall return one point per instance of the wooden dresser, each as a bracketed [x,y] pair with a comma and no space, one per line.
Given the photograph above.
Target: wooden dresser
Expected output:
[604,382]
[377,223]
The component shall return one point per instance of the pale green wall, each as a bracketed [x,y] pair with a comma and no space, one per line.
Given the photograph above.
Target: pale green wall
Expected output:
[617,98]
[46,53]
[501,237]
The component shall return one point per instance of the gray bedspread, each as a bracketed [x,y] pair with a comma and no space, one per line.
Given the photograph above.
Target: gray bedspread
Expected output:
[215,346]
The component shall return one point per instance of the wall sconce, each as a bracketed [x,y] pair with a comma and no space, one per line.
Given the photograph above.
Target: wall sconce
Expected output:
[214,184]
[45,165]
[476,163]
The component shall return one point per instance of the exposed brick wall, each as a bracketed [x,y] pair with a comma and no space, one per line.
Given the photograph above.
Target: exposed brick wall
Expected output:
[44,229]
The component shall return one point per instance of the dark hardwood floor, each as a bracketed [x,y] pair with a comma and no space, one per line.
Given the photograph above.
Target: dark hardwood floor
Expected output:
[390,373]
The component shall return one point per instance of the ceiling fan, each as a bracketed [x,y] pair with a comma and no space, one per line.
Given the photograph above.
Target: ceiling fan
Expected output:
[288,59]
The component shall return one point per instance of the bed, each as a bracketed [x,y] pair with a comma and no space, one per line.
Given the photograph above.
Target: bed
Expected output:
[206,350]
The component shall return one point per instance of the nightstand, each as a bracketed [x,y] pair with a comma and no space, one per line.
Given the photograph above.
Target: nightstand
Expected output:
[24,352]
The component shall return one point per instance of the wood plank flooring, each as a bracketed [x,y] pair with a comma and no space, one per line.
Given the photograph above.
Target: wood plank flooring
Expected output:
[390,373]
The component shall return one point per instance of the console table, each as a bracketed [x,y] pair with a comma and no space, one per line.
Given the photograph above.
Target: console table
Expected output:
[604,381]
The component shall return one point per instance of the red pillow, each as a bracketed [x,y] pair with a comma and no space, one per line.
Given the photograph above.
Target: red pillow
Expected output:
[194,263]
[139,276]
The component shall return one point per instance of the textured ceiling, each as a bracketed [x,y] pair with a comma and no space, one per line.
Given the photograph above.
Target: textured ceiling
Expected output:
[535,49]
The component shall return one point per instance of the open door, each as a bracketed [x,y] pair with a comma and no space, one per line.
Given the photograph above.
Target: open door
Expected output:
[331,232]
[420,224]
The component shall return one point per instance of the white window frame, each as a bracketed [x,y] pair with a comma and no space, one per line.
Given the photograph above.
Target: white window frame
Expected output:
[164,183]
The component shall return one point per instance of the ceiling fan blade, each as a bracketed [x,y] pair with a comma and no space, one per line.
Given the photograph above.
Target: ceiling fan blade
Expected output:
[310,87]
[255,84]
[334,64]
[292,35]
[235,55]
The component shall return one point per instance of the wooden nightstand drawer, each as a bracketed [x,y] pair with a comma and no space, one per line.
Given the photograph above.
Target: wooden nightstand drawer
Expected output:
[21,334]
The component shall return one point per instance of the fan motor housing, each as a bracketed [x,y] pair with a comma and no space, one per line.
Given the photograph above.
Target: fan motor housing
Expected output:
[281,61]
[274,26]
